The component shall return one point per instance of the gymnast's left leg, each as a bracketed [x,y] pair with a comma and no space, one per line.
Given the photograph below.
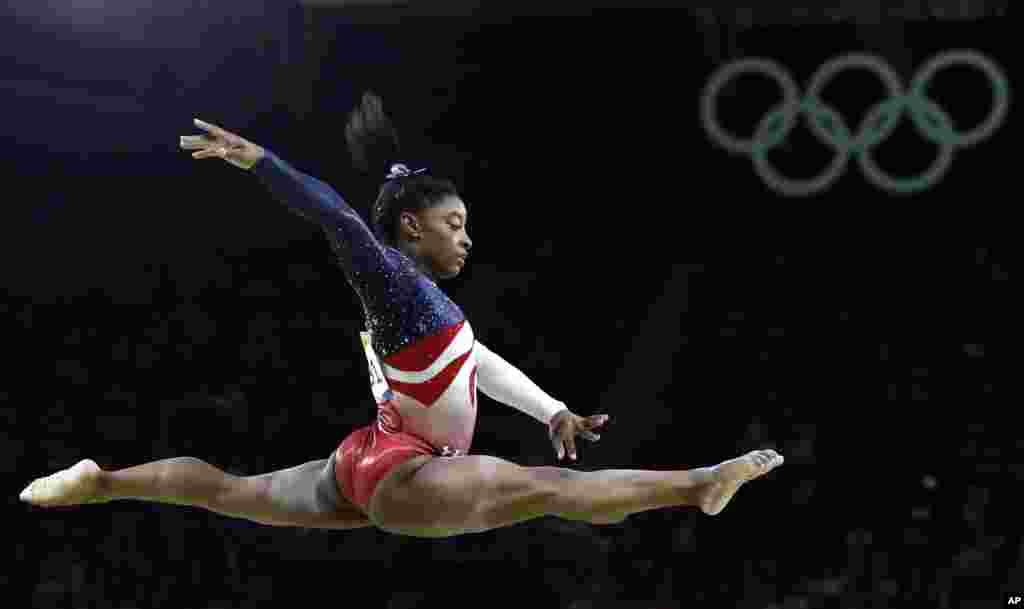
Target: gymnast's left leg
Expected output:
[302,496]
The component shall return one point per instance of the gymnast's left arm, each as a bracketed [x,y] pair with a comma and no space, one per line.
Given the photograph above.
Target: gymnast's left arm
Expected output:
[503,382]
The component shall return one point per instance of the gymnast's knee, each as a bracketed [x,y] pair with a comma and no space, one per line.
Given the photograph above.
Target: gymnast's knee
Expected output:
[523,493]
[557,488]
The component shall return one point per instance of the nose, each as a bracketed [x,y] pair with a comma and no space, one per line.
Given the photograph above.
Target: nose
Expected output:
[467,243]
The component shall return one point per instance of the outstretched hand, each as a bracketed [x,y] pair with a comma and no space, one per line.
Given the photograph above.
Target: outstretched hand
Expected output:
[565,426]
[222,144]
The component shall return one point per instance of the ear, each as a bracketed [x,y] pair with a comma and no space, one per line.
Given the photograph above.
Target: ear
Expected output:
[409,225]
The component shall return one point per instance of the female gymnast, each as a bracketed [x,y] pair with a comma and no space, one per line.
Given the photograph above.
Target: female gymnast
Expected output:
[409,472]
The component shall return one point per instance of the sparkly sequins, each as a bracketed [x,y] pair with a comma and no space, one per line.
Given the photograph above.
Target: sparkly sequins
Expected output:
[401,304]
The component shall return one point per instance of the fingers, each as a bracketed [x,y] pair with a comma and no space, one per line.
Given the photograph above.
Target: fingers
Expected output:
[196,142]
[214,135]
[593,422]
[217,152]
[570,445]
[213,130]
[563,445]
[564,440]
[556,441]
[210,145]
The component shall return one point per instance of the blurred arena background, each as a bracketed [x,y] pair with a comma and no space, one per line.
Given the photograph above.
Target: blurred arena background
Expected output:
[156,306]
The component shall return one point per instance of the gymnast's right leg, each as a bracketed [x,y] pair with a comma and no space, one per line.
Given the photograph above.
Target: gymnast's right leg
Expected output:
[443,496]
[301,496]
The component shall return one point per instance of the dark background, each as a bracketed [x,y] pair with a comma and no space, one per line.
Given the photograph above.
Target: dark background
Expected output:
[156,306]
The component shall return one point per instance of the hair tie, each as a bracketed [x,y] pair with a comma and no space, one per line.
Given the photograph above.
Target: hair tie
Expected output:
[400,170]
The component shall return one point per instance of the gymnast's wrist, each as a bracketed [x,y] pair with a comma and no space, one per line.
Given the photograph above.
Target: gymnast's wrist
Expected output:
[563,411]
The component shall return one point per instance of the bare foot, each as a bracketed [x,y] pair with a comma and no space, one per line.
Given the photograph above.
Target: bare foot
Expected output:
[73,486]
[728,476]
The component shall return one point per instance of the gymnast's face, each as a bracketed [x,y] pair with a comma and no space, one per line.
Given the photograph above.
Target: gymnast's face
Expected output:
[438,236]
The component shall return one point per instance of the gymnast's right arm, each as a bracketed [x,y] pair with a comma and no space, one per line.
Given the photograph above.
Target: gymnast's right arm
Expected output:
[305,195]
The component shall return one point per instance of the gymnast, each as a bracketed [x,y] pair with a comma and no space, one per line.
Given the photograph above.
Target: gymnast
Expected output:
[410,472]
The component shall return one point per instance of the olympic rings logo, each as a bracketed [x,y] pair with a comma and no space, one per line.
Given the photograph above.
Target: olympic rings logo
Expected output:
[878,123]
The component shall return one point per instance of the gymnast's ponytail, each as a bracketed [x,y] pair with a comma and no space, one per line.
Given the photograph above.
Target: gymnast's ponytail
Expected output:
[373,143]
[371,136]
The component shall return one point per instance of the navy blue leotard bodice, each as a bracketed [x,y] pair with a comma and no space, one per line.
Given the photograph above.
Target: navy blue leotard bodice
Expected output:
[401,304]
